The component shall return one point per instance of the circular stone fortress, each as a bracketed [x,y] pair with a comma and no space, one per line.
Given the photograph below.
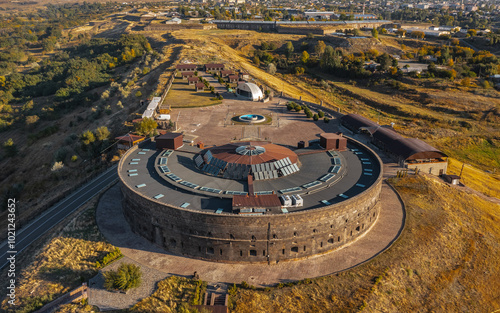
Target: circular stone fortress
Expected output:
[251,201]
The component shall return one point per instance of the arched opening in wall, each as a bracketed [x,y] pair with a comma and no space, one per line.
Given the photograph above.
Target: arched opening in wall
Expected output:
[199,248]
[220,251]
[283,251]
[358,228]
[263,252]
[346,221]
[253,253]
[331,226]
[275,236]
[295,234]
[314,230]
[253,238]
[330,240]
[374,214]
[231,236]
[338,239]
[173,242]
[304,248]
[210,250]
[241,253]
[321,244]
[295,249]
[351,232]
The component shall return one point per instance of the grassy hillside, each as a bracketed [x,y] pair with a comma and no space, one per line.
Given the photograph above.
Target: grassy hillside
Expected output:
[445,261]
[58,262]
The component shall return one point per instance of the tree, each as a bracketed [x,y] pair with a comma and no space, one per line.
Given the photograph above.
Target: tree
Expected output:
[146,126]
[32,119]
[87,137]
[356,32]
[305,57]
[401,32]
[299,70]
[320,48]
[127,276]
[289,49]
[10,148]
[472,32]
[417,34]
[271,68]
[374,33]
[102,133]
[27,106]
[256,60]
[321,114]
[385,62]
[138,94]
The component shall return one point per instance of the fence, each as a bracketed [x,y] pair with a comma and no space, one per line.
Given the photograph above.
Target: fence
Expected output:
[73,295]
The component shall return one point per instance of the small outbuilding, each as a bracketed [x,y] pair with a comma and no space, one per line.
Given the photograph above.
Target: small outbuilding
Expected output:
[186,75]
[169,141]
[199,86]
[186,67]
[128,141]
[233,78]
[333,141]
[193,80]
[255,204]
[451,179]
[250,90]
[214,67]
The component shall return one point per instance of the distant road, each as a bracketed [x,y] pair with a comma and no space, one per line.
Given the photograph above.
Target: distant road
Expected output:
[36,228]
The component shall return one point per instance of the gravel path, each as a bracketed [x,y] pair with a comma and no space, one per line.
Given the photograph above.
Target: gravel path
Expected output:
[107,300]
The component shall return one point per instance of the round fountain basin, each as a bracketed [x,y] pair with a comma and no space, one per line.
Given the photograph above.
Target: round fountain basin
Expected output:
[252,118]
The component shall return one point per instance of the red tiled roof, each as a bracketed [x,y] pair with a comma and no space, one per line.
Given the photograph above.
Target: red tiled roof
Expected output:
[273,153]
[187,74]
[130,138]
[186,66]
[218,65]
[258,201]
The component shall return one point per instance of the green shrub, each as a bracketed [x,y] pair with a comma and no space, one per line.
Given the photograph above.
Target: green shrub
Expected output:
[321,114]
[110,257]
[326,120]
[127,276]
[315,117]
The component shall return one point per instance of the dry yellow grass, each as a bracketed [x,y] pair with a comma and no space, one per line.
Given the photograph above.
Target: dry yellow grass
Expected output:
[445,261]
[62,264]
[173,294]
[206,45]
[476,179]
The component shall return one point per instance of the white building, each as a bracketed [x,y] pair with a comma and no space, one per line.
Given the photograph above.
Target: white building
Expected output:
[250,90]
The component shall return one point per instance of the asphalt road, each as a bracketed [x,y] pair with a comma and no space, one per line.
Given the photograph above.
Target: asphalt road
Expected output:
[50,218]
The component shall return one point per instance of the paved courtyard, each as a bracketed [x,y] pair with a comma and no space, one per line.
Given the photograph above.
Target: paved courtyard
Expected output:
[212,125]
